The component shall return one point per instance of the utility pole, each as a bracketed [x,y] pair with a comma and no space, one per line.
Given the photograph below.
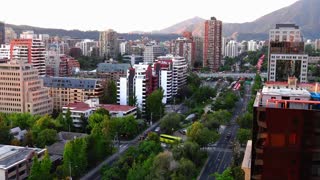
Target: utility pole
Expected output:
[151,120]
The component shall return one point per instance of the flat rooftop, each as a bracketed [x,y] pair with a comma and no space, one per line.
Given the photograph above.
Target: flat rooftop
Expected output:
[283,91]
[10,155]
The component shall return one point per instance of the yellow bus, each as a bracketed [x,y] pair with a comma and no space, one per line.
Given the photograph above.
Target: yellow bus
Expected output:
[164,138]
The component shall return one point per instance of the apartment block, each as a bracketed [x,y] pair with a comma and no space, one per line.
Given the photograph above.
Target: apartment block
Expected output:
[85,109]
[29,51]
[61,65]
[108,43]
[21,90]
[185,47]
[286,54]
[111,71]
[16,161]
[285,139]
[212,52]
[67,90]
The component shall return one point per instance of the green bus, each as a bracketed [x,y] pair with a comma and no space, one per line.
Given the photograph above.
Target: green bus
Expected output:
[164,138]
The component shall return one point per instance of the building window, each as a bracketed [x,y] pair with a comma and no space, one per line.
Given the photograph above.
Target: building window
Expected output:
[277,140]
[293,139]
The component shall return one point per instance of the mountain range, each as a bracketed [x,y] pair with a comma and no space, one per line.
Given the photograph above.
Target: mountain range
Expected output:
[305,13]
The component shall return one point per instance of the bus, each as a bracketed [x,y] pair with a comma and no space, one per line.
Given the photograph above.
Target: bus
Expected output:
[164,138]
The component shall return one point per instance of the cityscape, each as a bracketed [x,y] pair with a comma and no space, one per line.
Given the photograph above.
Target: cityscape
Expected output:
[202,99]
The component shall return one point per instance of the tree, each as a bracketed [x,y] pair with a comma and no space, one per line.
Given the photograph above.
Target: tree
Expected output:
[161,168]
[5,136]
[226,175]
[243,135]
[46,137]
[186,170]
[102,111]
[41,169]
[110,93]
[68,120]
[171,122]
[75,157]
[245,121]
[201,135]
[132,100]
[154,105]
[95,119]
[84,123]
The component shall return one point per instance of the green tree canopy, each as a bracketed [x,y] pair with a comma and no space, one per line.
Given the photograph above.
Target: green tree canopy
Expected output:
[171,122]
[243,135]
[110,93]
[41,169]
[201,135]
[154,105]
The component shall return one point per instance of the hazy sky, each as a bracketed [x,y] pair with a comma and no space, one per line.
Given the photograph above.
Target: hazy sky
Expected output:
[130,15]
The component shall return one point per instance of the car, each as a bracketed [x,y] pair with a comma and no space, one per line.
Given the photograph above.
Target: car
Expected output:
[157,130]
[183,131]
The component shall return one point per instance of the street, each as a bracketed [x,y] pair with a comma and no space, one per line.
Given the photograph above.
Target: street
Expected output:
[220,157]
[94,174]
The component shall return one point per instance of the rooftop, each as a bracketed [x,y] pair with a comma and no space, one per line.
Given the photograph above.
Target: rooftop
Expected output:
[117,108]
[10,155]
[69,82]
[78,106]
[283,91]
[108,67]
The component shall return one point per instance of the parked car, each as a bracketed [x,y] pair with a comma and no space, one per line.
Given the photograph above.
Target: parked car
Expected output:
[157,130]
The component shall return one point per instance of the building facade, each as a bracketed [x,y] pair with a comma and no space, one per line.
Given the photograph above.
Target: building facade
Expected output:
[87,46]
[66,90]
[21,90]
[212,53]
[2,33]
[232,49]
[252,45]
[29,50]
[16,161]
[185,47]
[152,52]
[285,139]
[111,71]
[286,54]
[108,43]
[4,51]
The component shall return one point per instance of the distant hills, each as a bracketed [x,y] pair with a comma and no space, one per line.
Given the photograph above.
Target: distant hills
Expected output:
[305,13]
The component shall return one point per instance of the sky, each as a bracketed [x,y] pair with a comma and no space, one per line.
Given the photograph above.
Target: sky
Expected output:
[130,15]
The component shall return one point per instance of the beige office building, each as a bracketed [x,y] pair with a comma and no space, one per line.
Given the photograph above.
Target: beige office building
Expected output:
[67,90]
[21,90]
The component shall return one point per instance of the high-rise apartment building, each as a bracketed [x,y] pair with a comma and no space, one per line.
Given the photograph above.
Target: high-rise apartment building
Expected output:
[4,51]
[198,41]
[232,49]
[61,65]
[252,45]
[2,33]
[21,89]
[185,47]
[138,84]
[286,139]
[66,90]
[172,73]
[108,43]
[87,46]
[152,52]
[29,49]
[212,53]
[286,54]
